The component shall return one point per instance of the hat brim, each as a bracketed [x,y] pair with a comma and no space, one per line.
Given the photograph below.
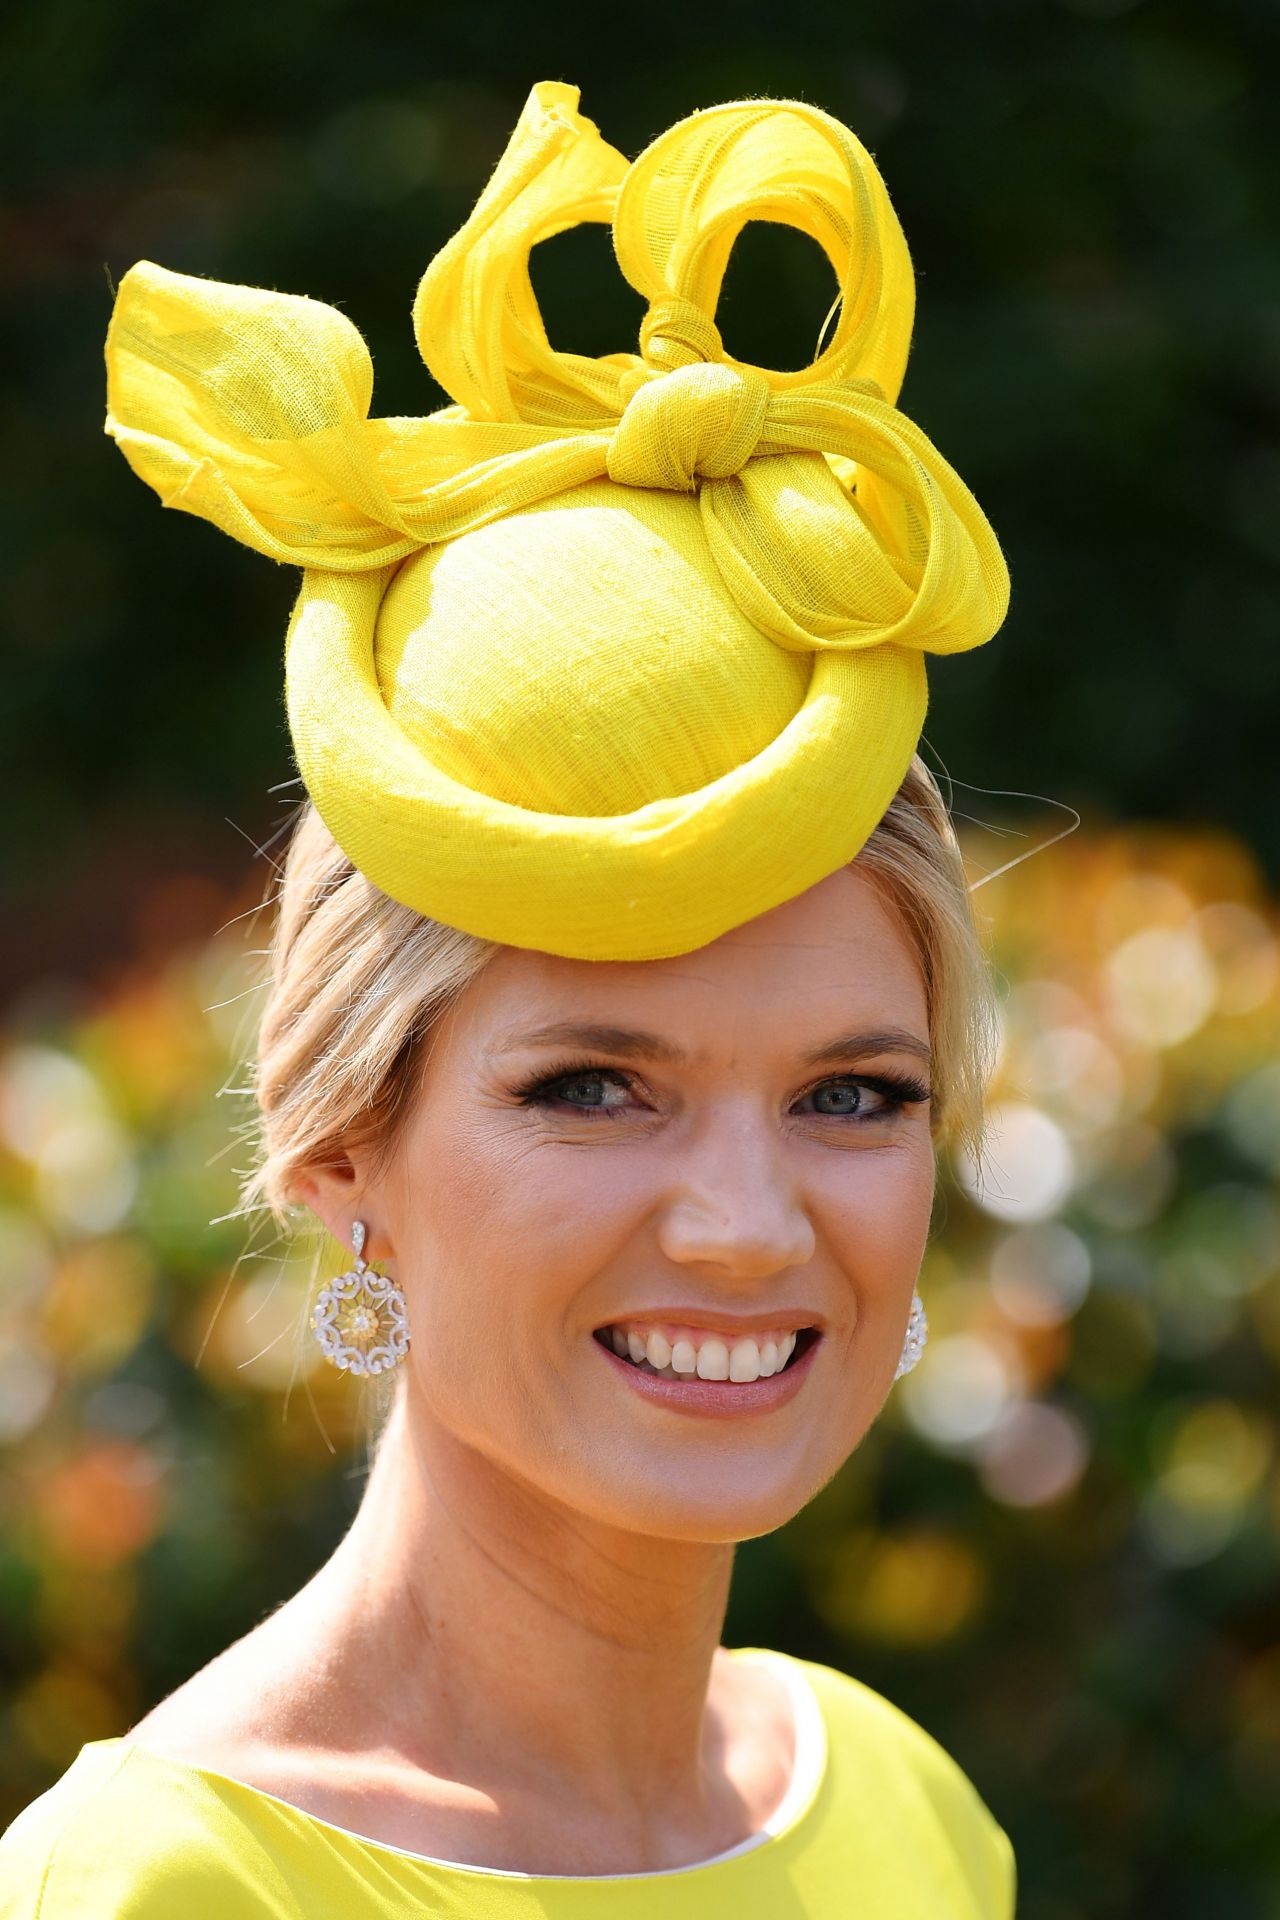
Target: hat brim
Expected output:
[660,880]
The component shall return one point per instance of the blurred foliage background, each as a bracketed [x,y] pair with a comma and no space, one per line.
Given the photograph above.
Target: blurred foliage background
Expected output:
[1060,1546]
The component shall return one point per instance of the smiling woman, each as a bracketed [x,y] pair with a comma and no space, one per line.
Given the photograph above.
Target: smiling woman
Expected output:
[623,987]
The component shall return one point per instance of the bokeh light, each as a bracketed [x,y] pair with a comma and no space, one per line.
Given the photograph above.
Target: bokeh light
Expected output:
[1026,1169]
[1033,1455]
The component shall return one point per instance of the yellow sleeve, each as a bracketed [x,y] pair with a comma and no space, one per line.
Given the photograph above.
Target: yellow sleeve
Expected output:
[982,1848]
[923,1803]
[95,1848]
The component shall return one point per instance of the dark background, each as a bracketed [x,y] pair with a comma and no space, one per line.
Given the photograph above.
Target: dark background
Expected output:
[1089,191]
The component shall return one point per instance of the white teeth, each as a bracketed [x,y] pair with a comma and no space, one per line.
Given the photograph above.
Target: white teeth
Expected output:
[713,1360]
[658,1351]
[709,1357]
[744,1361]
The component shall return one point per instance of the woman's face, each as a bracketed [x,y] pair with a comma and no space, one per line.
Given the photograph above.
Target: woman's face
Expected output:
[709,1154]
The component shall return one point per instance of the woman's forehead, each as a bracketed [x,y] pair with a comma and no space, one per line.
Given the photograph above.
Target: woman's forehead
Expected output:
[837,952]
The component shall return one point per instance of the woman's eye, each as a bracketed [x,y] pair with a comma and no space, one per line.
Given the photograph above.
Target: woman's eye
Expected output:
[849,1099]
[589,1090]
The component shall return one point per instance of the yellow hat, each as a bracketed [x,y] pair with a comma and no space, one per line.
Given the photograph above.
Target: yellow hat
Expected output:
[614,654]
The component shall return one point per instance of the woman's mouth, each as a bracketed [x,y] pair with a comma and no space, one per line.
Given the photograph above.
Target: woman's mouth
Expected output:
[678,1353]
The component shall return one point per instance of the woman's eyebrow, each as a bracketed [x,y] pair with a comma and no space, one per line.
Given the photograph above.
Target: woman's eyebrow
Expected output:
[652,1046]
[880,1040]
[607,1039]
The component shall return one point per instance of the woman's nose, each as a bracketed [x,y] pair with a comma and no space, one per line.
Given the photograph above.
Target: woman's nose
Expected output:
[736,1207]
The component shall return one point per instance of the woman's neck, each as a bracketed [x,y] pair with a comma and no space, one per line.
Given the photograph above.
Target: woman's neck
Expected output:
[488,1635]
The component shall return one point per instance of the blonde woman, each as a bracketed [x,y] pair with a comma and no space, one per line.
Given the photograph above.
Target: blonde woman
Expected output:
[624,986]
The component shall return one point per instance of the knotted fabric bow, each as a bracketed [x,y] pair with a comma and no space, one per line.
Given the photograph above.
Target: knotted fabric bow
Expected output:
[251,408]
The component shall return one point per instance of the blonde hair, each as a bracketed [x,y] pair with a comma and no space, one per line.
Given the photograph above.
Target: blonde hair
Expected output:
[357,984]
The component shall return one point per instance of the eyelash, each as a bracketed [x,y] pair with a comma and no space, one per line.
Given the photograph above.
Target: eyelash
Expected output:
[897,1091]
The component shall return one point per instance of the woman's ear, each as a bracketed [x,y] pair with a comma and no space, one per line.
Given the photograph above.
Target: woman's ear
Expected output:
[334,1194]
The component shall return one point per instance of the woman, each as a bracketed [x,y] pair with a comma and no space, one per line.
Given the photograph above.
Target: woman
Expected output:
[624,984]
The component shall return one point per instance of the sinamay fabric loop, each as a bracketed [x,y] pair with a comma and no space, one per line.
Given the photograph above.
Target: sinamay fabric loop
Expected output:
[527,696]
[675,333]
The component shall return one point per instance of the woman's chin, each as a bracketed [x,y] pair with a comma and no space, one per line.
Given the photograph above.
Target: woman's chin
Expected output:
[703,1510]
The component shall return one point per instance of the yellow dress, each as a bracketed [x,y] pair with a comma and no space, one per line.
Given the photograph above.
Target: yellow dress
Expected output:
[880,1823]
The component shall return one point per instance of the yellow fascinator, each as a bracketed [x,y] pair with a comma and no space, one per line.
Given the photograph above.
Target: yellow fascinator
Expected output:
[613,654]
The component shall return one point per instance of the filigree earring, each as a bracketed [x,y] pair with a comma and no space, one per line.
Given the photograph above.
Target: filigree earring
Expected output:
[917,1334]
[360,1319]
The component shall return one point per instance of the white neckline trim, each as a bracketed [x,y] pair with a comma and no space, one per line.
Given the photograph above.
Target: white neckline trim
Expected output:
[808,1770]
[808,1767]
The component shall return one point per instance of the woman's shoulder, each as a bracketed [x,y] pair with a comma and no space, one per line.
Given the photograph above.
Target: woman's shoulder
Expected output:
[856,1712]
[122,1840]
[893,1769]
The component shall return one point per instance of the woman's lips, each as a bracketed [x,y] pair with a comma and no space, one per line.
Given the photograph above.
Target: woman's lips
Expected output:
[719,1399]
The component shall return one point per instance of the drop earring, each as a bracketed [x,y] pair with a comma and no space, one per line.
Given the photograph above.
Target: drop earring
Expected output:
[917,1334]
[360,1319]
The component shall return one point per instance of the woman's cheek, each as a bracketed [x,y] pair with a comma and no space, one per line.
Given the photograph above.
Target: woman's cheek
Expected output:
[503,1237]
[877,1215]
